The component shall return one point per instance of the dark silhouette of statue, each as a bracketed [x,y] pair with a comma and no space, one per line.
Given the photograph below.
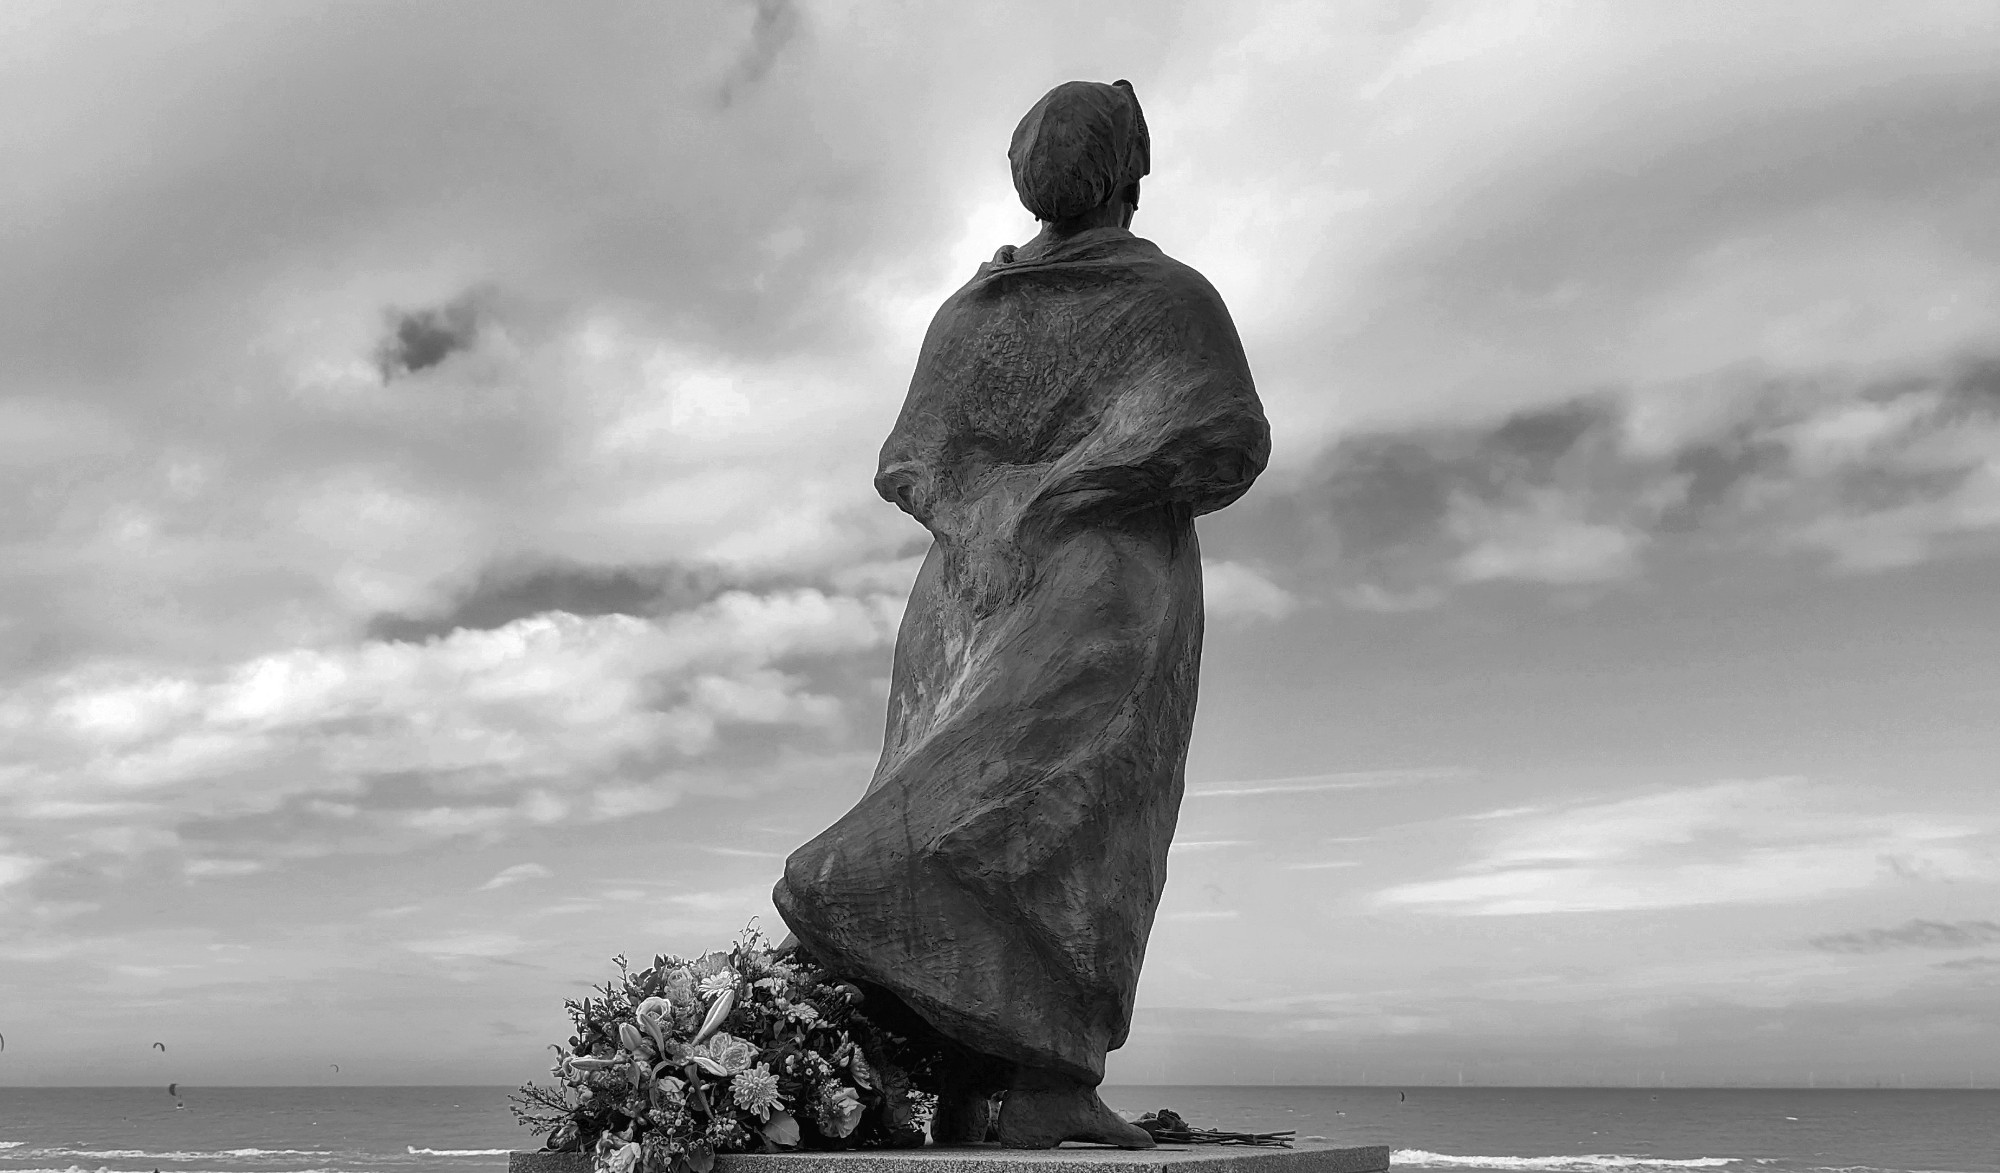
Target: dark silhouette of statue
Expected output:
[1074,408]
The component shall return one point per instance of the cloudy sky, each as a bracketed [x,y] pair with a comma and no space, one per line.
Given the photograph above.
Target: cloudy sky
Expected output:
[438,548]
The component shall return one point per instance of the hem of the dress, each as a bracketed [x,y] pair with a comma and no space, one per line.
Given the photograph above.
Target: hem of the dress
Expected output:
[960,1028]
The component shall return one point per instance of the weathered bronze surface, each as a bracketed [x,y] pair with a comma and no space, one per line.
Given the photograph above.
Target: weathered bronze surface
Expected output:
[1076,405]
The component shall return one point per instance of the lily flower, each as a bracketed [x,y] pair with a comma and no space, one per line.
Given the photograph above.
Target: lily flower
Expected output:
[717,1015]
[629,1038]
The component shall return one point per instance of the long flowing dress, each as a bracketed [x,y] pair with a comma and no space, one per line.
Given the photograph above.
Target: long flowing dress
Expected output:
[1071,413]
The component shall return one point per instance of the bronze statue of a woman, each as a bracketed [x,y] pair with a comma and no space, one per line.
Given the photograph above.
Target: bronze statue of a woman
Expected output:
[1074,408]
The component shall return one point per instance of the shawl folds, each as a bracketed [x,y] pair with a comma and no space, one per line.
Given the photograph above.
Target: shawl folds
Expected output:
[1070,416]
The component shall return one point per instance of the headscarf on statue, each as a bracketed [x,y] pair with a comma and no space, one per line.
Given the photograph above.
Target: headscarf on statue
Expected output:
[1079,146]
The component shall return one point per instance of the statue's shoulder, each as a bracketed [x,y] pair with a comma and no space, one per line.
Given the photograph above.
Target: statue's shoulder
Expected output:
[1103,248]
[1177,281]
[1108,261]
[1171,268]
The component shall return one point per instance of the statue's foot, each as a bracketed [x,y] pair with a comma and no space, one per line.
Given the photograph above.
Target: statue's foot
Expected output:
[1044,1109]
[963,1116]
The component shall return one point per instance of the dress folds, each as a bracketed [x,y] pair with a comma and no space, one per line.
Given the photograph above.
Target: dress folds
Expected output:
[1073,410]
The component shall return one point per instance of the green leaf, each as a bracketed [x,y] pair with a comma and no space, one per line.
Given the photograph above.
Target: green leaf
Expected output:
[782,1130]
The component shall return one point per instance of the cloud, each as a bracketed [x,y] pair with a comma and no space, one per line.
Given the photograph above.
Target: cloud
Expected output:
[635,683]
[505,593]
[1914,934]
[211,868]
[1970,964]
[1773,841]
[686,317]
[693,920]
[469,944]
[1233,590]
[670,306]
[515,875]
[1532,303]
[776,22]
[539,412]
[1540,541]
[1592,1027]
[386,744]
[1209,844]
[721,900]
[421,339]
[1861,473]
[1321,783]
[16,868]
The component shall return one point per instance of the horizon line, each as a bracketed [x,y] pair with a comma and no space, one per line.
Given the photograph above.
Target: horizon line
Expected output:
[1553,1087]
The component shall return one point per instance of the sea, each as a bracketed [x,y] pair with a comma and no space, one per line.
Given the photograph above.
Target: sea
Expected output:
[1557,1130]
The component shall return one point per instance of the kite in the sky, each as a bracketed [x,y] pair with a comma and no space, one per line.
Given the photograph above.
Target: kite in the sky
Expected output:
[161,1047]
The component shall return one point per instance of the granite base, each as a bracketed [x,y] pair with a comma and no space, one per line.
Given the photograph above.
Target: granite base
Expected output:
[1306,1158]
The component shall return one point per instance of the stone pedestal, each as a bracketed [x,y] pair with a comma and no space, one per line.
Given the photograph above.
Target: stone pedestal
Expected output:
[1306,1158]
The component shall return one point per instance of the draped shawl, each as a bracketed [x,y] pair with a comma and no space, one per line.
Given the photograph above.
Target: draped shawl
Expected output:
[1071,413]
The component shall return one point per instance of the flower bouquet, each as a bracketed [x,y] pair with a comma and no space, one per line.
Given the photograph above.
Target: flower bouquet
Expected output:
[1167,1126]
[738,1051]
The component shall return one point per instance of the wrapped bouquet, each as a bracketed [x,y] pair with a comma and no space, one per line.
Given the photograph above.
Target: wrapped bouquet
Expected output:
[737,1051]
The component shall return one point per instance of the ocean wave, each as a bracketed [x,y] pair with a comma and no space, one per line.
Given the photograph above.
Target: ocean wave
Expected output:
[1587,1163]
[109,1169]
[1849,1168]
[12,1144]
[416,1152]
[1839,1168]
[179,1154]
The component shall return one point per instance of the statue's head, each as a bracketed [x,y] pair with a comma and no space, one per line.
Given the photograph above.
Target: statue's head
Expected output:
[1082,147]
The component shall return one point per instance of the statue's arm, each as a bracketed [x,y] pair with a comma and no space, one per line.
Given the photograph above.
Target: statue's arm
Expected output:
[906,474]
[1184,426]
